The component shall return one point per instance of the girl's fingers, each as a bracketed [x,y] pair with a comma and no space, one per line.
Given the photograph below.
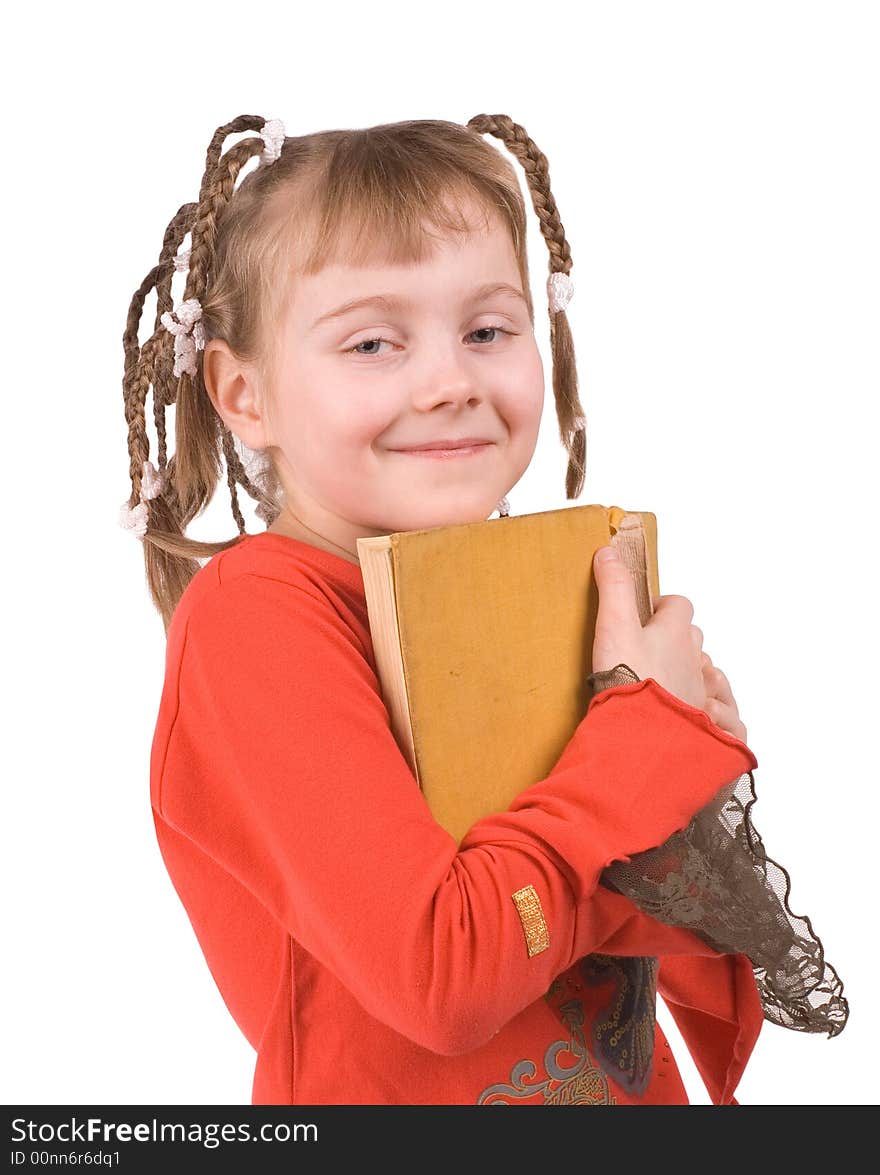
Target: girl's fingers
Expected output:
[717,685]
[720,703]
[726,717]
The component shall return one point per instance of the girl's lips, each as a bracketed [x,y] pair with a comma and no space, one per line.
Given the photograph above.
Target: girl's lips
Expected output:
[445,454]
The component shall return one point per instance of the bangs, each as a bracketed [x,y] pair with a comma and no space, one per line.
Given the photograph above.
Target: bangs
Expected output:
[368,228]
[395,228]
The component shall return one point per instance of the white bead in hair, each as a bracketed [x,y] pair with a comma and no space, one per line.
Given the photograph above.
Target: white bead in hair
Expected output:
[152,482]
[135,518]
[560,288]
[189,335]
[272,134]
[181,260]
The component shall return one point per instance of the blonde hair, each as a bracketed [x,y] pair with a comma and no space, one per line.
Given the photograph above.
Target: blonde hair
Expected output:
[334,193]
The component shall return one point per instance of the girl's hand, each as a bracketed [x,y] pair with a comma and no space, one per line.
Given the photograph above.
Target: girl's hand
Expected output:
[667,648]
[720,703]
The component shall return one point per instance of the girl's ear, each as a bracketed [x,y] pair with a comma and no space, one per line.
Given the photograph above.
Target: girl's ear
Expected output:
[234,389]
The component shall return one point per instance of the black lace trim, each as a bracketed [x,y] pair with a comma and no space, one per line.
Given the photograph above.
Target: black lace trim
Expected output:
[715,879]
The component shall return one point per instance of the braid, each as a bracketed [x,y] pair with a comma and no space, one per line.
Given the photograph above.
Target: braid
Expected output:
[235,472]
[174,234]
[569,412]
[192,473]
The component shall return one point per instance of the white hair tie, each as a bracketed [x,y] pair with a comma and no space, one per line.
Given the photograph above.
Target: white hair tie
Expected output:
[135,518]
[189,335]
[273,136]
[560,288]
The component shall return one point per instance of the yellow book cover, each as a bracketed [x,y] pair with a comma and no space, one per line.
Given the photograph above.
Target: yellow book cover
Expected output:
[482,634]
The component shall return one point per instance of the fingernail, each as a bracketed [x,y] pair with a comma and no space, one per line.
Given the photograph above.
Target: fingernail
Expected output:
[605,553]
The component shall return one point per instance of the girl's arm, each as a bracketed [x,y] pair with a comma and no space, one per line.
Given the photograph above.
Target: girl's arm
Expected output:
[274,755]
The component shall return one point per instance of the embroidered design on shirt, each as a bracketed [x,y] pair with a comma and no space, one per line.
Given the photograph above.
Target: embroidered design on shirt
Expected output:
[531,915]
[580,1084]
[623,1030]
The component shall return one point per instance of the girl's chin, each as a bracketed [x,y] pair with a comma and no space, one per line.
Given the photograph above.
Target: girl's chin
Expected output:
[448,516]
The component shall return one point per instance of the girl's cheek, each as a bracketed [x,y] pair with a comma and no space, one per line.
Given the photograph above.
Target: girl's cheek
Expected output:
[356,418]
[525,406]
[526,382]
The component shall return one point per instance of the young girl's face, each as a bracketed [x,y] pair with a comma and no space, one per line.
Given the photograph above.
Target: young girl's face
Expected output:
[447,353]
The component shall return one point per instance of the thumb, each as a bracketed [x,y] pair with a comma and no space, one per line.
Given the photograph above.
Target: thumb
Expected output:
[618,606]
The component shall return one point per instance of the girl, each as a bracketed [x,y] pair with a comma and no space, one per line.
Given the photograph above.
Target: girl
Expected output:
[357,336]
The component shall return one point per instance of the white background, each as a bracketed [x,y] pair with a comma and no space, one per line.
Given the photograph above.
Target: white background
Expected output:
[716,170]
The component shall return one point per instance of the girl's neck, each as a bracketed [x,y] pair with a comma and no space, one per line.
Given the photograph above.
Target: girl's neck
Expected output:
[288,524]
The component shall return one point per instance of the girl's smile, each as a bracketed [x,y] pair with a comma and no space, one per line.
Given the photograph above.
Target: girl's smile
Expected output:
[446,454]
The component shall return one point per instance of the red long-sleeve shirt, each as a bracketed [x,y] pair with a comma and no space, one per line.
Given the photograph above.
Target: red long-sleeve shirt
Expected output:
[365,955]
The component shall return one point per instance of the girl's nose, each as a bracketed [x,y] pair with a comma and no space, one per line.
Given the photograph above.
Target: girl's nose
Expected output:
[446,378]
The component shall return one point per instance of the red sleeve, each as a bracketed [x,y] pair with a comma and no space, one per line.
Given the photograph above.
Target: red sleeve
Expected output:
[716,1005]
[281,765]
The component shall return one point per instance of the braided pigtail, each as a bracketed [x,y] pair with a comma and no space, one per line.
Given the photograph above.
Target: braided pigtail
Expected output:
[569,413]
[165,500]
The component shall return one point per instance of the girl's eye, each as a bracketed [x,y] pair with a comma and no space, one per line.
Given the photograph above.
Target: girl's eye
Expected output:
[497,329]
[366,342]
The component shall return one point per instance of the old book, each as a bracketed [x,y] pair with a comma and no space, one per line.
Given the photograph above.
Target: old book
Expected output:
[483,634]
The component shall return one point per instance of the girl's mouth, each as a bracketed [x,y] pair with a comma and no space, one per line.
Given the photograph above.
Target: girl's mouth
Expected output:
[445,454]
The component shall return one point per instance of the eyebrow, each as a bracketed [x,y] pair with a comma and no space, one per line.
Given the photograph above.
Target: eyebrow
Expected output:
[393,302]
